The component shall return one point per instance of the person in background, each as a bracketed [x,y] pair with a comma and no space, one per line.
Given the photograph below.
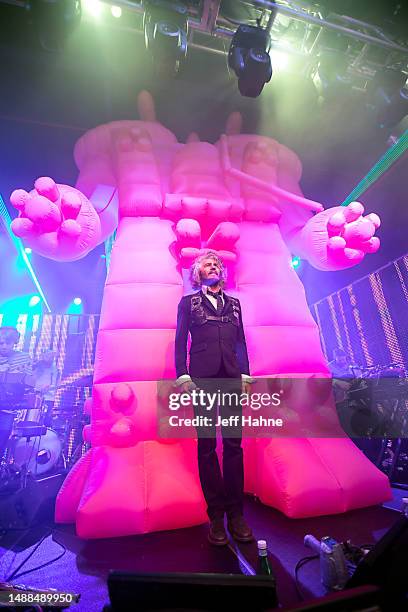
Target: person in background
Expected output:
[11,360]
[343,373]
[47,378]
[342,367]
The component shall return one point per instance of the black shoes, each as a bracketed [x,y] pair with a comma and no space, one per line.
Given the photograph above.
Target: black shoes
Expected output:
[217,534]
[239,529]
[237,526]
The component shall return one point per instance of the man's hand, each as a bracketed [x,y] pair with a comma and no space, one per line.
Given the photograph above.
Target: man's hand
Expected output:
[246,387]
[187,387]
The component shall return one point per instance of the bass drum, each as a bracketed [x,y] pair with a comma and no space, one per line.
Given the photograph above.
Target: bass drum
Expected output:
[40,454]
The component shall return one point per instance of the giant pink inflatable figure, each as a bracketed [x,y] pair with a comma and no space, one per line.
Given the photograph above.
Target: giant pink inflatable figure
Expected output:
[168,200]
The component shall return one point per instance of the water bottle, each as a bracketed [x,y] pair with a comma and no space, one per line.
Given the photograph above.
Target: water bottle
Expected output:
[264,569]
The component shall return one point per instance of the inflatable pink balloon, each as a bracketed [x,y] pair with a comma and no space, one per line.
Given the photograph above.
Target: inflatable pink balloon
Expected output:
[169,200]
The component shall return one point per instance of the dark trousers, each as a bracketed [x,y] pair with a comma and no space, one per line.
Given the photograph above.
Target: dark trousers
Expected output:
[223,492]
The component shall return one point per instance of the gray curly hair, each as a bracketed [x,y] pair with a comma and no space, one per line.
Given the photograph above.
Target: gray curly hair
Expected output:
[195,276]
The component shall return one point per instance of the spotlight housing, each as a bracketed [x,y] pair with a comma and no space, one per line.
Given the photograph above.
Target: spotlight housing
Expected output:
[249,58]
[165,26]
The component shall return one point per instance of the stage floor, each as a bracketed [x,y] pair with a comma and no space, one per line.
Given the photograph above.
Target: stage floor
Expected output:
[85,565]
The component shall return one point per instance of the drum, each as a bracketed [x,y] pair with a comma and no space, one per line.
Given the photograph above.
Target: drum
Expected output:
[40,454]
[393,370]
[31,408]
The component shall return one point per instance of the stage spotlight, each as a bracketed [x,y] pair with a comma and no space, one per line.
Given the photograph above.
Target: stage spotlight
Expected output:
[54,20]
[295,262]
[34,300]
[116,11]
[75,307]
[165,29]
[249,59]
[280,60]
[27,250]
[94,7]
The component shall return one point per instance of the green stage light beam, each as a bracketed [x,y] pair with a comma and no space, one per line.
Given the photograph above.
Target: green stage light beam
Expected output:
[383,164]
[5,217]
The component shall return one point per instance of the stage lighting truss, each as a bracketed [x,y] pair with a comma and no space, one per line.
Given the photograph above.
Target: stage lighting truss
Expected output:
[307,32]
[165,26]
[338,52]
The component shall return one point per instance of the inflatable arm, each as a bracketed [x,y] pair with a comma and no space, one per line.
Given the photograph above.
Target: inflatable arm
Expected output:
[331,239]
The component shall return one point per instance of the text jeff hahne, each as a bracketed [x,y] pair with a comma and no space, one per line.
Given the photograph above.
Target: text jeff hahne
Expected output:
[231,421]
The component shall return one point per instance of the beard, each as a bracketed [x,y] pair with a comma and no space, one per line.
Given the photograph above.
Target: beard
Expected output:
[209,282]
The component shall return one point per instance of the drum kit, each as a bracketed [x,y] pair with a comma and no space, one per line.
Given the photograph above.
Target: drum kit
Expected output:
[380,372]
[37,443]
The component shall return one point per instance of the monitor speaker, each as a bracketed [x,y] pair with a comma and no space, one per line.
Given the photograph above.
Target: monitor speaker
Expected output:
[190,591]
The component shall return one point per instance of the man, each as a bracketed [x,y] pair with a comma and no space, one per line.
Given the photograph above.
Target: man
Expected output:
[218,351]
[341,366]
[11,362]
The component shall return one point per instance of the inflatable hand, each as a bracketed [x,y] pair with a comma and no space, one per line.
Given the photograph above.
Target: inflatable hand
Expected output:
[339,238]
[56,221]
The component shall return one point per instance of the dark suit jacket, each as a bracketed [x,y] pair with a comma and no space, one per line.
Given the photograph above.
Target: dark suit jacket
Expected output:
[212,342]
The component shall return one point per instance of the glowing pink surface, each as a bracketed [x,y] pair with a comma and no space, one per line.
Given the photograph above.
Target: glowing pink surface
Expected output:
[168,200]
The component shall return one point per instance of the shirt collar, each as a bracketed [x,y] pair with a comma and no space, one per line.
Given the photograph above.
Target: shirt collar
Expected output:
[204,289]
